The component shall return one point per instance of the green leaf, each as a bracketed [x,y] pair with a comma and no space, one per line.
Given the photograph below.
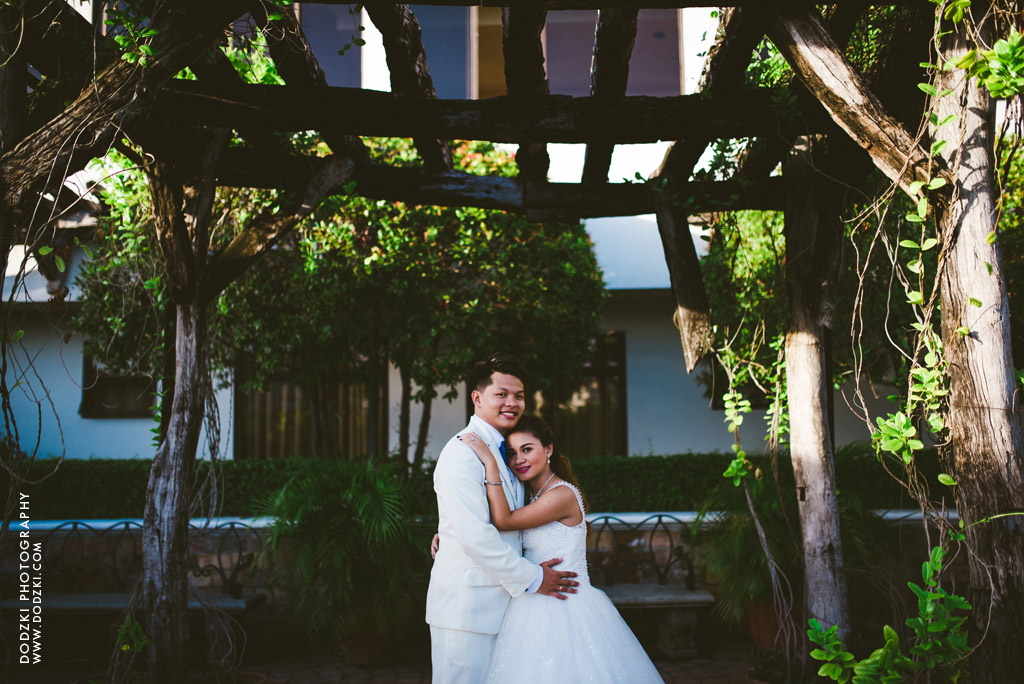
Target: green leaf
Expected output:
[947,119]
[938,145]
[59,261]
[913,217]
[928,244]
[914,187]
[936,183]
[991,238]
[909,244]
[974,302]
[275,16]
[18,334]
[915,266]
[963,331]
[947,480]
[818,654]
[928,88]
[922,207]
[45,249]
[988,267]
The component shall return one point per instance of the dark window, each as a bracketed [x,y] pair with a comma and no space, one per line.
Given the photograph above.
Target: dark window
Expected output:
[654,66]
[115,396]
[329,28]
[446,41]
[569,41]
[301,419]
[590,418]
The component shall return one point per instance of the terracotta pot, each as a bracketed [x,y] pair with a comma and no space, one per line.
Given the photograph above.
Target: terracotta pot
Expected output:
[764,625]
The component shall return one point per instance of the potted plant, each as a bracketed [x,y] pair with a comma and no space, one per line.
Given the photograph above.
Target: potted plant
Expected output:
[343,550]
[732,553]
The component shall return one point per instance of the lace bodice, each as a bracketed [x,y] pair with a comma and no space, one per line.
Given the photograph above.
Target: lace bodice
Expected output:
[557,540]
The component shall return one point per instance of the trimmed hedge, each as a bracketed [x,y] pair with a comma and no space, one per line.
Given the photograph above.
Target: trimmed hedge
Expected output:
[103,488]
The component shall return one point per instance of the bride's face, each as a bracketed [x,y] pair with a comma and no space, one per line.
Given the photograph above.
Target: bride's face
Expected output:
[528,458]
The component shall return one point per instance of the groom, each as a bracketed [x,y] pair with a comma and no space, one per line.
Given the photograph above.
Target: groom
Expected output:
[477,568]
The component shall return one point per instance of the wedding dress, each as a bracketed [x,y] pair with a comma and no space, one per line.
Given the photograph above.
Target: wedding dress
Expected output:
[582,639]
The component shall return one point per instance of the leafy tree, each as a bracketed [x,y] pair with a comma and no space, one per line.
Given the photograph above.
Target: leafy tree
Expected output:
[367,282]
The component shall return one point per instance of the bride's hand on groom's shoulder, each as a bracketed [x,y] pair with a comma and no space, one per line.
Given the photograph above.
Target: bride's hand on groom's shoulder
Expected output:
[435,545]
[556,582]
[473,441]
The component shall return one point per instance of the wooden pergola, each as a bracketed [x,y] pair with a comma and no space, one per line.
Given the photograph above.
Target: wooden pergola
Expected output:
[826,128]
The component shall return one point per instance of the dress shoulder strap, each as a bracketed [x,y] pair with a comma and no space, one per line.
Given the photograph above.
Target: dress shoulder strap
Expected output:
[576,491]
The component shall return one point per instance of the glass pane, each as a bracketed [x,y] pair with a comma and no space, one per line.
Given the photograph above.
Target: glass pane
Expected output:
[446,41]
[329,28]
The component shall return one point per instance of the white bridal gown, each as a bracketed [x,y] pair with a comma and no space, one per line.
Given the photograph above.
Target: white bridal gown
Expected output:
[582,639]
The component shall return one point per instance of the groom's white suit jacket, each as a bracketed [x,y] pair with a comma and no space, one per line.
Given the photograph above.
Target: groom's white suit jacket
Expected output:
[477,568]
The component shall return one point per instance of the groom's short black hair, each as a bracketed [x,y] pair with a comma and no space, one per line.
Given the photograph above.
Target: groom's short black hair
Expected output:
[497,362]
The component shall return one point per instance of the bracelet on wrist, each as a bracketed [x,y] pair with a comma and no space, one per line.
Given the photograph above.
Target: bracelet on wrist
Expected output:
[496,484]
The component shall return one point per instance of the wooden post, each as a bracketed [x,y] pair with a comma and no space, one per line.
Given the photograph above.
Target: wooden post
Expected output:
[985,426]
[692,315]
[813,231]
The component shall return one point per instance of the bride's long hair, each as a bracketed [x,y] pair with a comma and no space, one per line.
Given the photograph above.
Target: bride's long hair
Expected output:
[560,466]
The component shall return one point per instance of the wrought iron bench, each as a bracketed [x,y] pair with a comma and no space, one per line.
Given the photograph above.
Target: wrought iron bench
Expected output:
[94,567]
[644,565]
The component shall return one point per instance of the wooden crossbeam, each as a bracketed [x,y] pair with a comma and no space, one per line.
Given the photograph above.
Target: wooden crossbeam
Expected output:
[799,33]
[550,118]
[407,62]
[609,73]
[298,66]
[726,64]
[245,167]
[525,75]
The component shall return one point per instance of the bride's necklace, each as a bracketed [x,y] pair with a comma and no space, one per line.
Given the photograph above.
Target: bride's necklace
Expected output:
[542,488]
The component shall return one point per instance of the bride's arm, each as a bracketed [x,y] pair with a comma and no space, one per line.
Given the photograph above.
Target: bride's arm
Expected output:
[556,504]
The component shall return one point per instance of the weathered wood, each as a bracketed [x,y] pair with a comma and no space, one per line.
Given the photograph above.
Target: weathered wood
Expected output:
[813,230]
[692,315]
[580,4]
[299,67]
[267,228]
[407,62]
[551,118]
[521,45]
[118,98]
[243,167]
[609,73]
[726,63]
[987,447]
[799,34]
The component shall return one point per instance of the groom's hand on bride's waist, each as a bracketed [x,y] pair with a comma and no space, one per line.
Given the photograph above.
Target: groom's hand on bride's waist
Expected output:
[557,583]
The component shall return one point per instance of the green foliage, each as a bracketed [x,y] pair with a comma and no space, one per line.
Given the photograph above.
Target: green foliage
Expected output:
[430,289]
[732,548]
[940,640]
[131,31]
[342,548]
[130,636]
[1001,69]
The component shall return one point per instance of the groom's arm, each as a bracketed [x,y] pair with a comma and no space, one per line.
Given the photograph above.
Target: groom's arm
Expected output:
[458,480]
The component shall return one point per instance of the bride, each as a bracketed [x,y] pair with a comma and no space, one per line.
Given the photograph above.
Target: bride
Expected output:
[583,639]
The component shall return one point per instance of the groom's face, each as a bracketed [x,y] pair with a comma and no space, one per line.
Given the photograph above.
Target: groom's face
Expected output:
[502,402]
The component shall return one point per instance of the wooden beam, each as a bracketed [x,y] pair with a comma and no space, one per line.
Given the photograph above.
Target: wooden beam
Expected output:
[577,4]
[609,73]
[521,28]
[549,118]
[799,33]
[725,67]
[692,315]
[298,66]
[244,167]
[407,62]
